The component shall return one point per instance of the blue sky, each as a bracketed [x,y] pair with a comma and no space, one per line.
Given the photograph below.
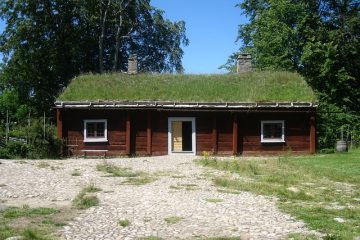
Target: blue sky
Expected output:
[211,26]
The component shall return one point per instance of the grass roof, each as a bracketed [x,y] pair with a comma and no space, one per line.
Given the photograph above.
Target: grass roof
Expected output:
[259,86]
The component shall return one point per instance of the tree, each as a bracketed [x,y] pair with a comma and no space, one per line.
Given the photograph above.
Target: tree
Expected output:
[320,39]
[317,38]
[42,45]
[46,43]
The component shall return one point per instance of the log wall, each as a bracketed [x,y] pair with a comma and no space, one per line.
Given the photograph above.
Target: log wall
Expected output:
[148,131]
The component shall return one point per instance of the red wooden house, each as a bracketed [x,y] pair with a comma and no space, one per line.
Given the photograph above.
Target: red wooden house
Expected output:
[154,114]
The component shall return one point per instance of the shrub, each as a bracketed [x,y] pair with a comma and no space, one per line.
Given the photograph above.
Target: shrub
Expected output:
[14,150]
[31,142]
[331,121]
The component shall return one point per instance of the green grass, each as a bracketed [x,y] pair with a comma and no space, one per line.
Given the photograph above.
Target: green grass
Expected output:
[139,180]
[151,238]
[27,233]
[22,162]
[132,177]
[116,171]
[214,200]
[33,223]
[43,165]
[223,238]
[85,199]
[173,219]
[26,211]
[124,222]
[176,187]
[186,186]
[178,176]
[315,189]
[51,222]
[255,86]
[91,188]
[302,236]
[76,173]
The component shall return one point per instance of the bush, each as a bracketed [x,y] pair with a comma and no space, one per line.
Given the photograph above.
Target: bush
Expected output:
[14,150]
[331,121]
[38,145]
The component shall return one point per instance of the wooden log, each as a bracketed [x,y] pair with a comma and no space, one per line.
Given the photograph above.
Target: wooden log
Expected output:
[148,134]
[128,132]
[312,135]
[59,124]
[235,134]
[214,135]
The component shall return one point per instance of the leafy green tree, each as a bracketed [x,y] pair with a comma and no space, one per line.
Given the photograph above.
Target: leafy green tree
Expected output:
[40,44]
[319,39]
[46,43]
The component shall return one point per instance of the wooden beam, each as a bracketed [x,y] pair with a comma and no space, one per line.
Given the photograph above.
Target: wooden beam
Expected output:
[148,134]
[214,135]
[128,132]
[59,124]
[235,134]
[312,135]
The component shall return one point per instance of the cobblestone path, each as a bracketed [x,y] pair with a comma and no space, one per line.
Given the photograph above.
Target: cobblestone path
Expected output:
[181,204]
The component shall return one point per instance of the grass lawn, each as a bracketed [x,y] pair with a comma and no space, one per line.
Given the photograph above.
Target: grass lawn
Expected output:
[255,86]
[321,190]
[33,223]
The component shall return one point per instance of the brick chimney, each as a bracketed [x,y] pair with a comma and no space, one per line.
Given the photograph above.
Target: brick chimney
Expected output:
[132,64]
[244,63]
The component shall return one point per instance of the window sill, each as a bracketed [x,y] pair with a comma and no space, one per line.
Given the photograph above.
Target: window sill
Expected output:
[273,141]
[95,140]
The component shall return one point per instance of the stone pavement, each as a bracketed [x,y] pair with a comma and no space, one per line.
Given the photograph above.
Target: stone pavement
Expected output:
[181,191]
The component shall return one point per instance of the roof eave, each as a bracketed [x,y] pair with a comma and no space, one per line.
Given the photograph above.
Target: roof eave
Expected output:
[181,105]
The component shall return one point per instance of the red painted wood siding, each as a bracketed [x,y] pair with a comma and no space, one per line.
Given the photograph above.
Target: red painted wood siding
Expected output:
[73,132]
[297,131]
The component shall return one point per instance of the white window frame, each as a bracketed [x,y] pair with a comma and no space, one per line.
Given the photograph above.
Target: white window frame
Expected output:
[193,134]
[95,139]
[275,140]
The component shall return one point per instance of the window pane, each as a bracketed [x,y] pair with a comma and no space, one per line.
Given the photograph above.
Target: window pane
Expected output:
[90,130]
[272,130]
[177,136]
[100,129]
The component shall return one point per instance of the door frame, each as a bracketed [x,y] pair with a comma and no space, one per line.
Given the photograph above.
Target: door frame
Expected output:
[193,134]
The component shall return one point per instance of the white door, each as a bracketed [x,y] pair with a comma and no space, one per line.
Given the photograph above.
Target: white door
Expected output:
[181,135]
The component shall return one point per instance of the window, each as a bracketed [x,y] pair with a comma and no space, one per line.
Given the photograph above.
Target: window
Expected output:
[95,130]
[272,131]
[181,135]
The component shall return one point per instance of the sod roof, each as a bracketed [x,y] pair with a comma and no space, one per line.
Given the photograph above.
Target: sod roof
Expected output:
[259,86]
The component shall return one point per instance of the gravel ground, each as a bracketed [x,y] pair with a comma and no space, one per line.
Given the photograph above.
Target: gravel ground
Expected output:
[180,190]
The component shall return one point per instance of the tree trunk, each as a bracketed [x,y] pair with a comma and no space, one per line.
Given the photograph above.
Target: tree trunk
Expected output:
[102,36]
[117,44]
